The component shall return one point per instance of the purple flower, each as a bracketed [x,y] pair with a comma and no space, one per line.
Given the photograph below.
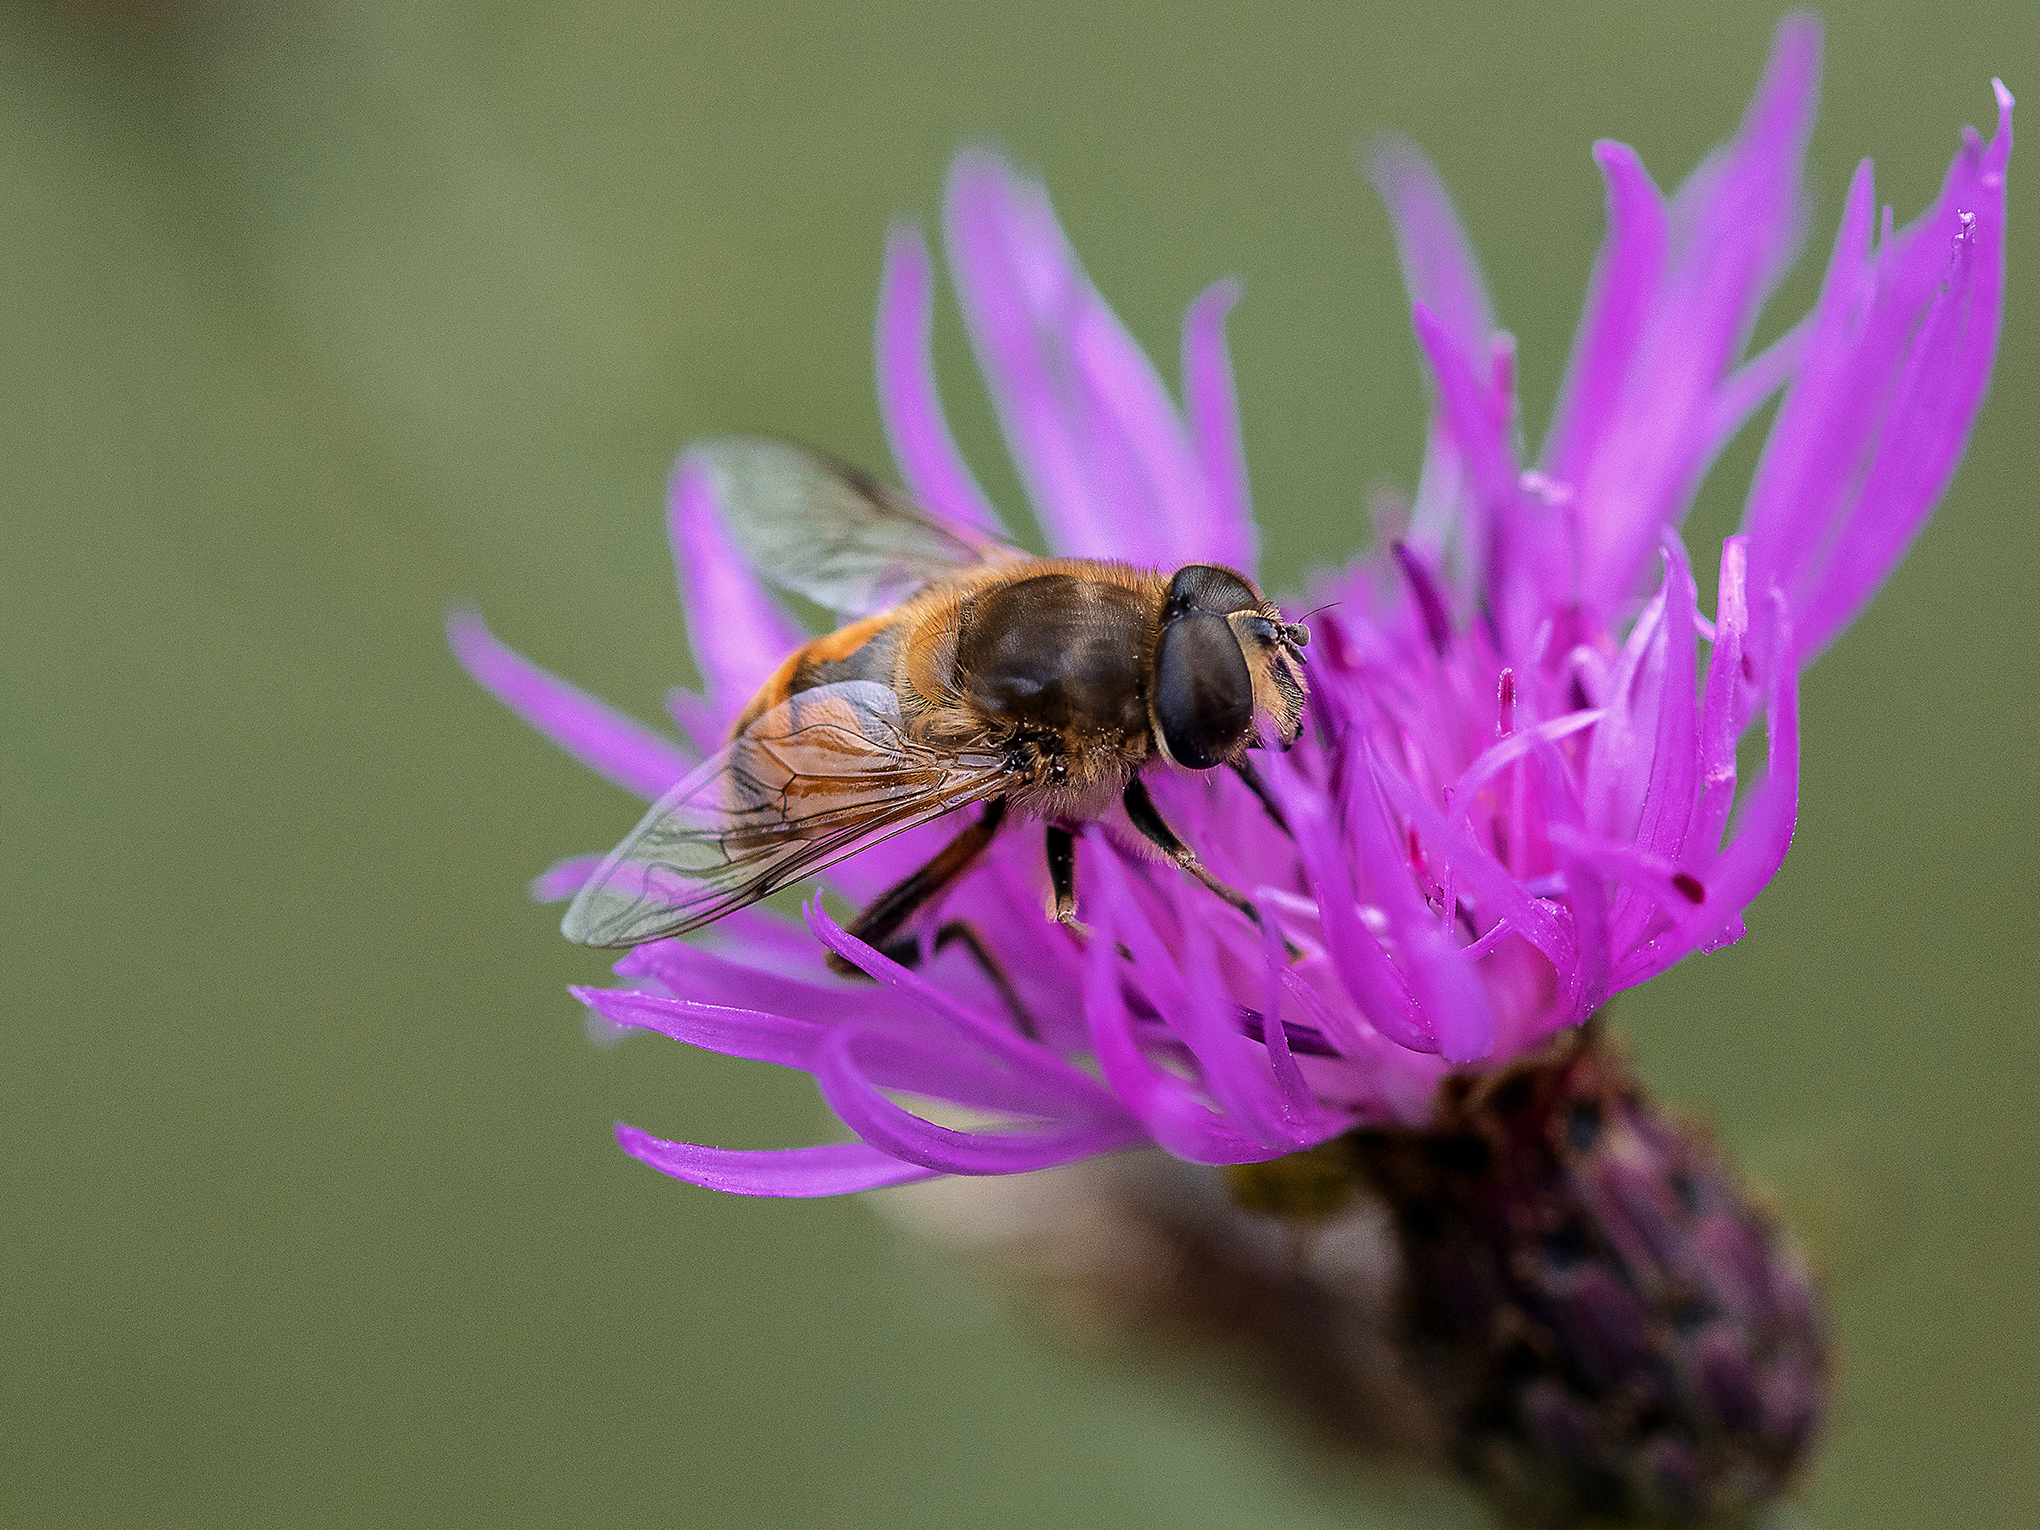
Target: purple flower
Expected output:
[1514,798]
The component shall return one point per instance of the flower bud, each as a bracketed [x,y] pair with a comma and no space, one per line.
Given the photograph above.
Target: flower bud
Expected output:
[1555,1289]
[1610,1323]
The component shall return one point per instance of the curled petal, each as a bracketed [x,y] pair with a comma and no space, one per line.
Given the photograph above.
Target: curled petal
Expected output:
[837,1168]
[901,1134]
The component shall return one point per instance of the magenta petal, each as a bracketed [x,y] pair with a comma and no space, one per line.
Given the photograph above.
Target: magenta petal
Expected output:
[1478,422]
[902,1134]
[1192,1001]
[1643,876]
[1439,268]
[1673,789]
[1762,838]
[1750,386]
[930,465]
[1618,760]
[996,1036]
[1018,289]
[1506,751]
[1370,978]
[738,631]
[746,1033]
[837,1168]
[1145,455]
[563,878]
[1477,870]
[1590,979]
[1166,1104]
[1213,406]
[899,1059]
[1448,993]
[1288,1077]
[1722,713]
[615,747]
[1735,226]
[746,975]
[1896,370]
[1107,463]
[1620,297]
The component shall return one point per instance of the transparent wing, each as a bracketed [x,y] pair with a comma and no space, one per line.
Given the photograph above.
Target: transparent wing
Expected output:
[822,529]
[824,774]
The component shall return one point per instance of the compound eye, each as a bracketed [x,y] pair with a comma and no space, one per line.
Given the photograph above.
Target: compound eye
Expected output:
[1204,694]
[1207,587]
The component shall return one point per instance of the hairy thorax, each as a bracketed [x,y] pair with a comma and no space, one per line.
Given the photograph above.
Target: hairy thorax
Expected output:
[1050,669]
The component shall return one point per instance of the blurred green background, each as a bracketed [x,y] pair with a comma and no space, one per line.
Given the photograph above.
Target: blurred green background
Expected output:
[319,316]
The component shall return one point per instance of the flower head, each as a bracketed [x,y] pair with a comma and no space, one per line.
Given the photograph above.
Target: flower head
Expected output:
[1517,793]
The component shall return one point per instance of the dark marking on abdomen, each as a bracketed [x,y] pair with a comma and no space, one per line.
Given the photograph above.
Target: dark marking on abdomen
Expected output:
[873,660]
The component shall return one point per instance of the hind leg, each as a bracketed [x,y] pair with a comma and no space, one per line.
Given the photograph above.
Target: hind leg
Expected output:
[880,924]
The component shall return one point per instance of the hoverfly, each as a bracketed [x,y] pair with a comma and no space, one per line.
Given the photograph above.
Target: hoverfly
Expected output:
[983,676]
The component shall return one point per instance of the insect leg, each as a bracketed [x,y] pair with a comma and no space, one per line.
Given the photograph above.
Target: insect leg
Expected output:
[1244,769]
[972,939]
[1062,872]
[1141,810]
[880,922]
[879,925]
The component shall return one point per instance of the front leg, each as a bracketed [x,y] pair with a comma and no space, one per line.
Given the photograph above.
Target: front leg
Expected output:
[1144,816]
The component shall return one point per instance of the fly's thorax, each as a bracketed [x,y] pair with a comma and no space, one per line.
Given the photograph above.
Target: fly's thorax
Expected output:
[1055,653]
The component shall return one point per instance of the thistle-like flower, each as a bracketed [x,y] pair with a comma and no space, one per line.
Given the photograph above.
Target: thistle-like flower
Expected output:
[1516,794]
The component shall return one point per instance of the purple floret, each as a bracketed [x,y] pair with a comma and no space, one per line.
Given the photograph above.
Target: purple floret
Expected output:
[1514,796]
